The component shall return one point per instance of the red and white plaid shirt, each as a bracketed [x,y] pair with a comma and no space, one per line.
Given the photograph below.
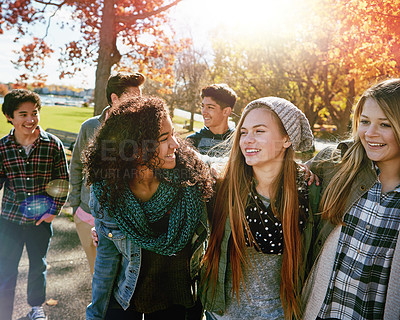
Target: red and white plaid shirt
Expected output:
[36,183]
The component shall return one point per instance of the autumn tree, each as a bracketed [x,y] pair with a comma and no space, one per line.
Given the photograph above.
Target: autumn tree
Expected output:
[371,29]
[322,64]
[113,33]
[3,89]
[191,72]
[351,49]
[257,65]
[361,45]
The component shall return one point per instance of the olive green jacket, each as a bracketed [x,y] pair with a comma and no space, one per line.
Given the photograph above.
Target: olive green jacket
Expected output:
[315,288]
[214,299]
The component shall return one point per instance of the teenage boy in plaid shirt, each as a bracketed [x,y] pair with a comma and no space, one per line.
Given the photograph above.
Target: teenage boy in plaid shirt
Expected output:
[34,173]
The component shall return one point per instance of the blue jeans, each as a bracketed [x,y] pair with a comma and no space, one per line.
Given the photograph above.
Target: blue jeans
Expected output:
[13,237]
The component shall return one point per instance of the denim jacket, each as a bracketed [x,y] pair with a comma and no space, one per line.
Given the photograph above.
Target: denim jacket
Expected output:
[118,262]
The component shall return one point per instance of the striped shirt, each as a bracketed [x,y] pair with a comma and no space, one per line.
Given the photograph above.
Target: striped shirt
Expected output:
[359,281]
[36,183]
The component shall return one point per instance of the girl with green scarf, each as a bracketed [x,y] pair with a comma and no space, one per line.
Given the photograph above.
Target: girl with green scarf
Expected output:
[148,194]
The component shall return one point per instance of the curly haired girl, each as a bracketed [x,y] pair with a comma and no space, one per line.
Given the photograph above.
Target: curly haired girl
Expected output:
[148,192]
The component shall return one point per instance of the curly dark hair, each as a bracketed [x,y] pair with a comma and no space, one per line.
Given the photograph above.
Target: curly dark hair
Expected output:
[129,139]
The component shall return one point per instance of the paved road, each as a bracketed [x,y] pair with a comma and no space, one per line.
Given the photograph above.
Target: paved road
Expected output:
[68,276]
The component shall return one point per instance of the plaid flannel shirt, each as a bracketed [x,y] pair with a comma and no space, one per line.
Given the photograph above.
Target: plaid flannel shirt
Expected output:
[34,184]
[359,283]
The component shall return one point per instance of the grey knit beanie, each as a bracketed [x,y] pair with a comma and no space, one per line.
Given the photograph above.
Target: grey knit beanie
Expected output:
[293,119]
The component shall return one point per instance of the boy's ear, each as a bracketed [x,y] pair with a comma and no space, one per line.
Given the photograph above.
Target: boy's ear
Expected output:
[8,117]
[114,98]
[227,111]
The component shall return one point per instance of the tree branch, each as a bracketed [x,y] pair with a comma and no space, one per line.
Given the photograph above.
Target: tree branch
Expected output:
[387,15]
[47,3]
[50,3]
[131,19]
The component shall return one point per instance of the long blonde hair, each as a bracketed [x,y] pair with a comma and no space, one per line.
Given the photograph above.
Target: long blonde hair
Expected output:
[387,96]
[232,194]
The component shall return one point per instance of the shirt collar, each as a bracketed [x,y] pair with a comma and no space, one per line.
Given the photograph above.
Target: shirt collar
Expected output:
[102,117]
[10,137]
[42,136]
[220,135]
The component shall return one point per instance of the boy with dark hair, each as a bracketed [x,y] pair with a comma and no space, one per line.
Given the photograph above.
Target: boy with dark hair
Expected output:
[122,83]
[34,173]
[119,86]
[216,107]
[16,97]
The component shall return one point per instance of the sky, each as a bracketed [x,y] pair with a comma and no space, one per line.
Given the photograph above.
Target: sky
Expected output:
[192,18]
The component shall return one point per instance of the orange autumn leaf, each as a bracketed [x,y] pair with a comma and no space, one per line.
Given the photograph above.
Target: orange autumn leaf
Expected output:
[141,26]
[52,302]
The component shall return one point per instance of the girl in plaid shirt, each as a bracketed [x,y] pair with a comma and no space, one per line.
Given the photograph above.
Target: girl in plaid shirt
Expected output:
[357,251]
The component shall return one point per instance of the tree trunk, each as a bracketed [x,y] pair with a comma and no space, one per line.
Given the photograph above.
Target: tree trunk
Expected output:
[311,115]
[108,55]
[344,121]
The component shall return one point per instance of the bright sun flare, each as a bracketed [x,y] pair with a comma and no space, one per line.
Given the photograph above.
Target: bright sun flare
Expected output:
[248,17]
[255,15]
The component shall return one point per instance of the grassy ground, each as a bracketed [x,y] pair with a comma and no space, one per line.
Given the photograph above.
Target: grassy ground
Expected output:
[56,117]
[71,118]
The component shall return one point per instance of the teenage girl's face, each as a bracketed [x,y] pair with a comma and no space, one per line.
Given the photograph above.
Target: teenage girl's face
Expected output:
[167,145]
[261,140]
[377,135]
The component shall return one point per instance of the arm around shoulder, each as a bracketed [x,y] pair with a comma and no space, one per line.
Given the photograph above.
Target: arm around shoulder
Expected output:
[322,157]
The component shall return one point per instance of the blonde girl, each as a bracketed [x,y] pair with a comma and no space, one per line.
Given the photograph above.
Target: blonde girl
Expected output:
[357,254]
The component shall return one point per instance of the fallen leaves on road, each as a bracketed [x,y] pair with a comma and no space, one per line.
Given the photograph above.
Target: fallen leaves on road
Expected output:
[52,302]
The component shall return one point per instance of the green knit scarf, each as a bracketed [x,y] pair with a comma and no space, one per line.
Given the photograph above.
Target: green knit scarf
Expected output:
[183,206]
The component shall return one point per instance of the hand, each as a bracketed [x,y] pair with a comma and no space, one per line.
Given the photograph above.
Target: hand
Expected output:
[47,217]
[309,175]
[217,170]
[95,237]
[214,173]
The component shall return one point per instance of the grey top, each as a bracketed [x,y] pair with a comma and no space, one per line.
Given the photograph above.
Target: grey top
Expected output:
[79,195]
[262,288]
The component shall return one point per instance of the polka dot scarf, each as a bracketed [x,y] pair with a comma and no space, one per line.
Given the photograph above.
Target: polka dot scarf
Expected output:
[264,226]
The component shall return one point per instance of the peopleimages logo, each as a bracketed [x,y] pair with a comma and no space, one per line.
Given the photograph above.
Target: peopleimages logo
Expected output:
[34,207]
[128,150]
[181,174]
